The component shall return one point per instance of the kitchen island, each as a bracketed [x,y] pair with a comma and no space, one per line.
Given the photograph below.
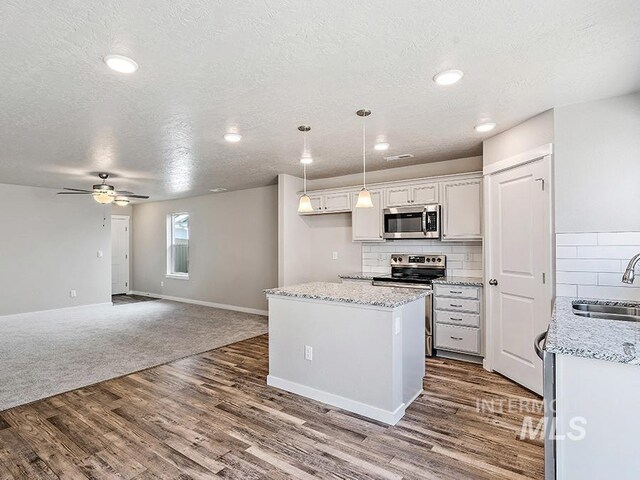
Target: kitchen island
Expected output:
[357,347]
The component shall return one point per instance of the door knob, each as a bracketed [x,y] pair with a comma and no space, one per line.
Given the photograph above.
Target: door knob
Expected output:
[493,282]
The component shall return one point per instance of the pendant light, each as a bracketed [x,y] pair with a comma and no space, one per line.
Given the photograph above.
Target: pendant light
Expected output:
[304,206]
[364,197]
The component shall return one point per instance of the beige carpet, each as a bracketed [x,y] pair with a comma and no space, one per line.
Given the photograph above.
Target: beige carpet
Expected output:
[49,353]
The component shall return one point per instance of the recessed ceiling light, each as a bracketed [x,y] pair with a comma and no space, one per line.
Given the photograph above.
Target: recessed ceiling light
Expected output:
[218,190]
[232,137]
[120,64]
[381,146]
[485,127]
[448,77]
[306,160]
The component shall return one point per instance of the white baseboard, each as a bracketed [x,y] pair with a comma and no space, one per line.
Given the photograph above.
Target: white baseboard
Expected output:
[224,306]
[74,308]
[386,416]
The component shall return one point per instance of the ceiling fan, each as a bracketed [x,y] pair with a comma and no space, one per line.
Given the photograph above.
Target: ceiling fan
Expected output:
[103,193]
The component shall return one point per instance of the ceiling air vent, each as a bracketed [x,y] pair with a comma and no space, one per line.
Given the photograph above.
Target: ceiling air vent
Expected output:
[404,156]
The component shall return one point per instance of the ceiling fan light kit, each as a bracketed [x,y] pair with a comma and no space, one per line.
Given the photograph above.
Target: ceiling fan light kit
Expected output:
[105,194]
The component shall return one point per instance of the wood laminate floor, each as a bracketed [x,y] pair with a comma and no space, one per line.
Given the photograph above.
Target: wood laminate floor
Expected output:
[212,416]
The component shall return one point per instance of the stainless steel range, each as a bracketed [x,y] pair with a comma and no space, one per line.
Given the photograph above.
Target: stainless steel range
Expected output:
[416,271]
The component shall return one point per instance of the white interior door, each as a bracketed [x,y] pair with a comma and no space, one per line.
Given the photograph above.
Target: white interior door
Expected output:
[119,254]
[519,241]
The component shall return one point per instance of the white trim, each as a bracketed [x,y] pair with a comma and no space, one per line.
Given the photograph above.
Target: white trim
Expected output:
[386,416]
[223,306]
[519,159]
[177,276]
[57,310]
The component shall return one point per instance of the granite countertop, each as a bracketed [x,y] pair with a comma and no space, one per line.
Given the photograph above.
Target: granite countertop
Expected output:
[611,340]
[359,275]
[354,293]
[465,281]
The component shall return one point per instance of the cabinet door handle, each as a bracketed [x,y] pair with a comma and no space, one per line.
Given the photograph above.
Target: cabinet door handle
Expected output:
[454,305]
[456,338]
[456,319]
[493,282]
[455,292]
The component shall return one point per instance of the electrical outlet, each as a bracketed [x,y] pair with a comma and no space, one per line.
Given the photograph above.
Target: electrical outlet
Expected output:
[467,257]
[308,352]
[73,294]
[335,255]
[100,254]
[162,284]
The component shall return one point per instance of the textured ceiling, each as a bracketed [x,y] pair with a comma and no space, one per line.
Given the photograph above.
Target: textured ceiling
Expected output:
[265,67]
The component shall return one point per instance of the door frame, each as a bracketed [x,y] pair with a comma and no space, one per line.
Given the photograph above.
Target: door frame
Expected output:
[128,219]
[529,156]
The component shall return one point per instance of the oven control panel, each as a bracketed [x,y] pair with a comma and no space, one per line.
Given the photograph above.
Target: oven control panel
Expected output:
[411,260]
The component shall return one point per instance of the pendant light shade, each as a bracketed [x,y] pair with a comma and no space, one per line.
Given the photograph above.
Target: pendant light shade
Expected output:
[364,197]
[304,206]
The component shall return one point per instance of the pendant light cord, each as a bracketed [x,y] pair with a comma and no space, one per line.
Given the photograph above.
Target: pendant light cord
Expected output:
[304,169]
[364,153]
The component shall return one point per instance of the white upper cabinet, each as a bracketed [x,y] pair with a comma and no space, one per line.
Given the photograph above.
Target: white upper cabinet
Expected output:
[337,202]
[398,196]
[367,222]
[316,202]
[462,210]
[425,193]
[419,194]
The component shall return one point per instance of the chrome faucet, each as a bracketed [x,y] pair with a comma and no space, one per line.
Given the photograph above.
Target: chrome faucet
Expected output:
[629,273]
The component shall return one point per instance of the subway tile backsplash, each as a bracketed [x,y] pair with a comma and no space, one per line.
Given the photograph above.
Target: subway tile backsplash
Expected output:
[591,265]
[464,259]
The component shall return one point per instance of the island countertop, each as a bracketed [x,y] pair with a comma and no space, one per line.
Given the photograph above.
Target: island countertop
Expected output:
[354,293]
[602,339]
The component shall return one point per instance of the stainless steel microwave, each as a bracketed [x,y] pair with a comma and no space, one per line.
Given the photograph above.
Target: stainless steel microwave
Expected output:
[412,222]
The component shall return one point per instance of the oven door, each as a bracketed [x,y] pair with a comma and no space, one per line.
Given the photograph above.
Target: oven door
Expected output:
[405,222]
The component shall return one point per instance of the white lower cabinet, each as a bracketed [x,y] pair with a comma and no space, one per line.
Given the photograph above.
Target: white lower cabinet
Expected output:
[462,339]
[366,223]
[457,314]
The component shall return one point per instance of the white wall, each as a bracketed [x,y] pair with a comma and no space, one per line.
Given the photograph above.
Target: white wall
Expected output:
[597,178]
[529,134]
[306,243]
[597,166]
[232,247]
[48,246]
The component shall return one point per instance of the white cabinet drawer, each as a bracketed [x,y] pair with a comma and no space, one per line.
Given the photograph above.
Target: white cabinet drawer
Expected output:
[457,304]
[452,337]
[455,318]
[457,291]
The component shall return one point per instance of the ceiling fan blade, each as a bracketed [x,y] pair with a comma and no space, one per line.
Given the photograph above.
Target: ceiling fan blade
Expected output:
[124,193]
[74,193]
[78,190]
[138,196]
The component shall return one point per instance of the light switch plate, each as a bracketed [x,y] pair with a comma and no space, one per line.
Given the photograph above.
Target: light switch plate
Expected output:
[335,255]
[308,352]
[73,294]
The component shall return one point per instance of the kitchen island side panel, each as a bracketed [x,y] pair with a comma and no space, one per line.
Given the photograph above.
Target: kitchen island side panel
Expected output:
[356,352]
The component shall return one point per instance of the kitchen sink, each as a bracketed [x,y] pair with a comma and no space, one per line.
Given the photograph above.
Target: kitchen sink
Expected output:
[610,312]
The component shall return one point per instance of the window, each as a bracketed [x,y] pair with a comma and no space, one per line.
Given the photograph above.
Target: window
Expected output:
[178,245]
